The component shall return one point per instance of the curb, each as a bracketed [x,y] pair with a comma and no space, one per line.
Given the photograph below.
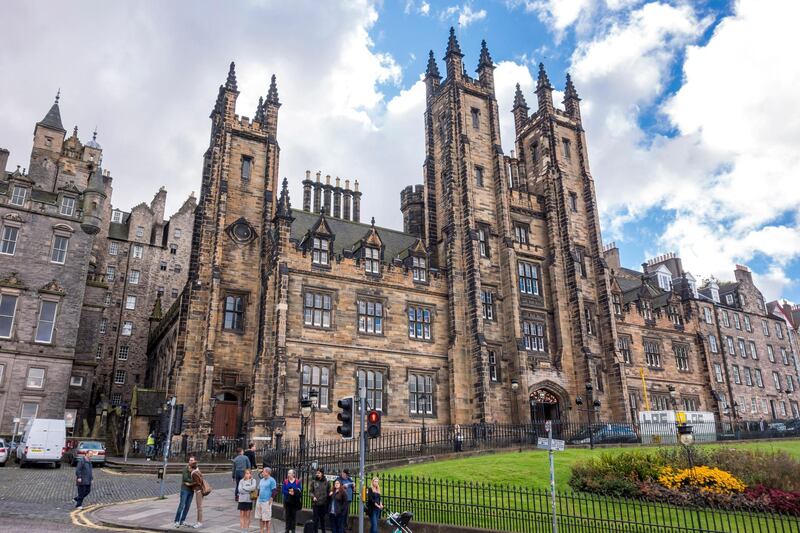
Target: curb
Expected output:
[86,517]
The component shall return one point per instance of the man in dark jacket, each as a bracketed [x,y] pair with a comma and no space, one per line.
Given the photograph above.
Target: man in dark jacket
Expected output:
[240,464]
[83,478]
[251,454]
[319,500]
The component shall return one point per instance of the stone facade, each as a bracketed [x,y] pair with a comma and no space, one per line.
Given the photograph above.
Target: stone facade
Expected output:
[51,218]
[498,302]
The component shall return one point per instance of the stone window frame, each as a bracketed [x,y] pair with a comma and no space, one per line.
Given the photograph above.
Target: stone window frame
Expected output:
[713,345]
[534,279]
[730,345]
[367,299]
[116,398]
[616,303]
[748,376]
[483,232]
[138,251]
[487,303]
[10,225]
[123,352]
[419,268]
[16,294]
[47,298]
[684,356]
[742,347]
[384,371]
[321,291]
[737,321]
[423,307]
[243,296]
[24,197]
[79,384]
[589,317]
[707,315]
[778,330]
[130,331]
[770,353]
[765,327]
[748,327]
[475,116]
[174,293]
[657,353]
[726,319]
[758,377]
[28,378]
[321,247]
[116,216]
[535,340]
[625,347]
[113,248]
[789,383]
[479,176]
[177,233]
[784,356]
[111,273]
[718,375]
[425,374]
[753,350]
[59,232]
[493,360]
[566,148]
[65,198]
[372,260]
[139,232]
[690,398]
[522,233]
[246,171]
[737,375]
[573,201]
[130,302]
[321,364]
[134,276]
[120,376]
[173,248]
[776,380]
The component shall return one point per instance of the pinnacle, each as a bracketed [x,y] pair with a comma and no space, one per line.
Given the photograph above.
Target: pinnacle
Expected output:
[58,95]
[485,59]
[543,81]
[432,71]
[272,94]
[452,44]
[259,117]
[569,90]
[230,83]
[519,98]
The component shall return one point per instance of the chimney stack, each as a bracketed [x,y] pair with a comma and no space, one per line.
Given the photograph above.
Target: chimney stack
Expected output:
[326,201]
[356,203]
[337,199]
[348,196]
[317,193]
[307,184]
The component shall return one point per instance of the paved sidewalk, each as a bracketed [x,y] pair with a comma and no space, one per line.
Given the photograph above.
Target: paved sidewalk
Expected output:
[219,514]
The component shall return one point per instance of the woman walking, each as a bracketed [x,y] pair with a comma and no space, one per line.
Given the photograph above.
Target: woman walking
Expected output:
[374,505]
[338,507]
[199,485]
[247,486]
[292,490]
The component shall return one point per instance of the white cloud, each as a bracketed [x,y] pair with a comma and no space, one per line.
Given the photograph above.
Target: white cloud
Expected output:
[463,14]
[423,8]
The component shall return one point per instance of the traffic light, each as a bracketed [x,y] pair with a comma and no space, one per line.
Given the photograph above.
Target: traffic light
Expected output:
[346,418]
[373,424]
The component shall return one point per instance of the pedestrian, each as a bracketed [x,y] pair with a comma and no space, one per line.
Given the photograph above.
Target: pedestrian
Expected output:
[247,488]
[374,505]
[458,439]
[337,506]
[83,478]
[150,446]
[762,426]
[319,499]
[251,454]
[187,493]
[347,482]
[200,486]
[292,490]
[267,488]
[240,464]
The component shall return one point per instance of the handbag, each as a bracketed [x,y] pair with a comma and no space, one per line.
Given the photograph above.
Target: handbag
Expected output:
[254,494]
[205,488]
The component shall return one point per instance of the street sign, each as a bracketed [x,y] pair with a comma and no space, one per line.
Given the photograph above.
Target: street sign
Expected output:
[544,444]
[262,438]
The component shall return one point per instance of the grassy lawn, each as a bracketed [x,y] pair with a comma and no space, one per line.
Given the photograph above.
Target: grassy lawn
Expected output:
[530,469]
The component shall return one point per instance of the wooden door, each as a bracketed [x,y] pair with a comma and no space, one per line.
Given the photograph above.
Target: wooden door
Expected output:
[226,419]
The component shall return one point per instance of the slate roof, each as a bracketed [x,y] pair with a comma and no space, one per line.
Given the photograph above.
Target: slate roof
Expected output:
[53,118]
[347,234]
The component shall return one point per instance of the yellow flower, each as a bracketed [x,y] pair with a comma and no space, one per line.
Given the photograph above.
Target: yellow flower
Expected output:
[703,478]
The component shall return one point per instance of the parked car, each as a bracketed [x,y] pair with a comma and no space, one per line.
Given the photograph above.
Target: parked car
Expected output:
[606,434]
[777,429]
[43,441]
[4,453]
[82,447]
[793,427]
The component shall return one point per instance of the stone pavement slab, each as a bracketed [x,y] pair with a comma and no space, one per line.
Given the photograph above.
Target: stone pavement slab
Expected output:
[220,514]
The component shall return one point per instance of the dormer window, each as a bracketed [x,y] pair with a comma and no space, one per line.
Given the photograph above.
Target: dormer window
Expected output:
[18,195]
[67,206]
[320,251]
[372,260]
[664,281]
[729,299]
[116,216]
[419,268]
[714,290]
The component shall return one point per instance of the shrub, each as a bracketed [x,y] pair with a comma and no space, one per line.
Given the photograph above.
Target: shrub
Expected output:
[776,499]
[777,470]
[702,478]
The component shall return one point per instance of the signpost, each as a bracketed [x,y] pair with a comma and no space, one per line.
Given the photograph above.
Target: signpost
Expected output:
[362,442]
[551,445]
[171,404]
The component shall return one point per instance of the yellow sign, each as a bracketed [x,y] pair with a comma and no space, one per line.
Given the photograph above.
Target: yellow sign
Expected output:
[680,417]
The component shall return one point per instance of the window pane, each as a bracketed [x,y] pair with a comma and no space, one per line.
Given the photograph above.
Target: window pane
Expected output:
[47,318]
[8,305]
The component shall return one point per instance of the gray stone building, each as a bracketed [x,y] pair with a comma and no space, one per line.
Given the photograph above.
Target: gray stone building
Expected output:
[50,218]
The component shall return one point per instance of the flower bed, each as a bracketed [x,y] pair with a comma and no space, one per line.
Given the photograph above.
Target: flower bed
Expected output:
[721,477]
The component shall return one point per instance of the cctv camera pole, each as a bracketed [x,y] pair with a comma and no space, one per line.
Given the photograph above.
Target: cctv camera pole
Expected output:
[166,444]
[362,437]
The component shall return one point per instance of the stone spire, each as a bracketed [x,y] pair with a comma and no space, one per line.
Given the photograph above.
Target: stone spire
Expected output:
[486,67]
[453,57]
[485,59]
[259,117]
[544,91]
[230,83]
[571,100]
[52,119]
[284,205]
[272,94]
[520,110]
[433,70]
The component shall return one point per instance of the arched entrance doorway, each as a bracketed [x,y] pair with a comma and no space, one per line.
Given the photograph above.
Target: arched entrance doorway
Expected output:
[226,415]
[544,406]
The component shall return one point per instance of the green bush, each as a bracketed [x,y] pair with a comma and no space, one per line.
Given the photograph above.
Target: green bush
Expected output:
[776,470]
[615,475]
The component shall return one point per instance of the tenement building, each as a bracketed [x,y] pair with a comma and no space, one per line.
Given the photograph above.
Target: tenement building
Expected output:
[497,302]
[51,218]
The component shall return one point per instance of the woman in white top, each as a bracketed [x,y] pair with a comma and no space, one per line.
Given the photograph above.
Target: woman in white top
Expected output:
[246,485]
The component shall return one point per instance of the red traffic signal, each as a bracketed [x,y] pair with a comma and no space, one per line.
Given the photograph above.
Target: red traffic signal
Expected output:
[373,424]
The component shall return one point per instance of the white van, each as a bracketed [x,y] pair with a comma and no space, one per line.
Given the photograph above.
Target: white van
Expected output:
[44,441]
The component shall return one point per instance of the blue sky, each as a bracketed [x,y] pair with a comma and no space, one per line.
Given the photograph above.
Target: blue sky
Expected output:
[689,107]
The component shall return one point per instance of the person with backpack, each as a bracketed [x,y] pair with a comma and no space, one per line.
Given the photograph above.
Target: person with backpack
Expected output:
[320,488]
[201,489]
[292,490]
[374,505]
[347,482]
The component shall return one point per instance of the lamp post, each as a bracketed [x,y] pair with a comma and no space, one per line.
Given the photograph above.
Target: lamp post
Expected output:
[424,400]
[686,439]
[589,411]
[514,406]
[314,397]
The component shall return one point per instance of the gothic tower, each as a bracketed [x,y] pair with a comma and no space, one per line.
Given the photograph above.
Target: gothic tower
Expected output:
[219,331]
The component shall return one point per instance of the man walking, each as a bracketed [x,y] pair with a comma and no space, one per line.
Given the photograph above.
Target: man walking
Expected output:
[83,478]
[150,447]
[240,464]
[187,492]
[319,500]
[251,454]
[347,482]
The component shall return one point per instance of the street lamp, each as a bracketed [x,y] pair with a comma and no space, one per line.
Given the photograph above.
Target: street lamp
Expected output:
[314,397]
[305,413]
[424,407]
[514,406]
[589,411]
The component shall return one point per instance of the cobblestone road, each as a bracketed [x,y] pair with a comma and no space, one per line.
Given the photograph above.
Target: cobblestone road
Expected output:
[40,498]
